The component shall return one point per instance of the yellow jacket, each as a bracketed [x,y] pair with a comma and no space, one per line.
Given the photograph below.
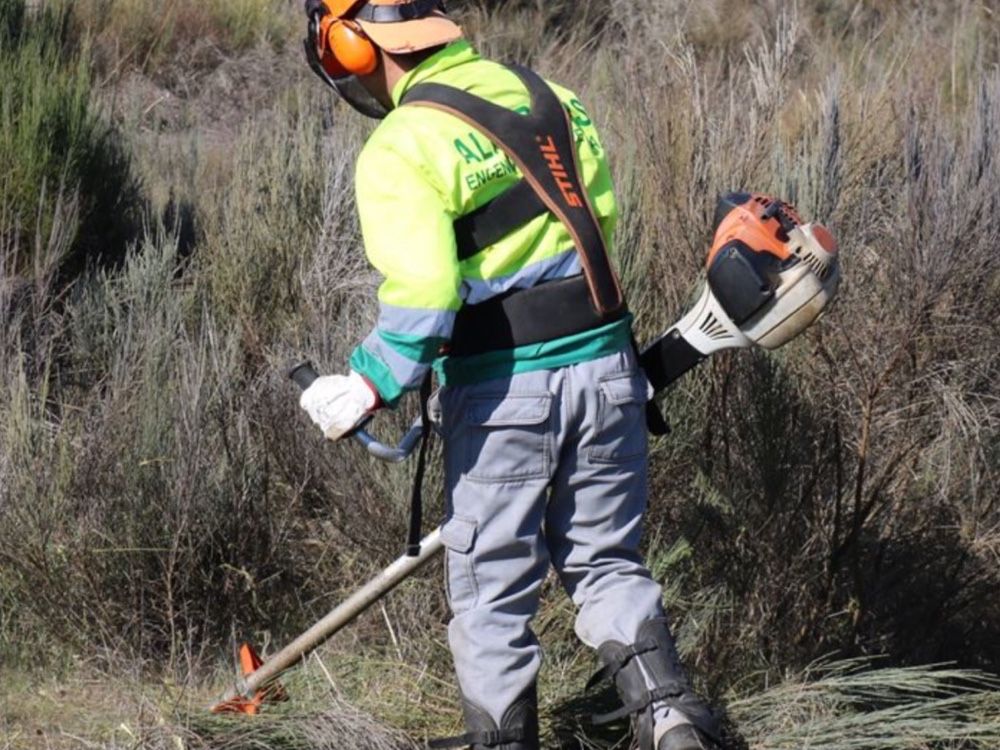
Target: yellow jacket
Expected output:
[419,171]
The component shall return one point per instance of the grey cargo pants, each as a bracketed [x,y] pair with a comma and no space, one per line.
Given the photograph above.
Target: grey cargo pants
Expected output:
[540,467]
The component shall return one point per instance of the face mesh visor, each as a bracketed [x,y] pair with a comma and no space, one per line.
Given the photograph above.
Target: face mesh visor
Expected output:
[349,88]
[356,95]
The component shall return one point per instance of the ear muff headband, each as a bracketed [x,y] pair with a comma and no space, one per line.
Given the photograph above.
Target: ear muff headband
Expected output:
[410,11]
[345,49]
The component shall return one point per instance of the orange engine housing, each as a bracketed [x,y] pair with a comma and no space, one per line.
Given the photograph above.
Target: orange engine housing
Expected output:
[762,222]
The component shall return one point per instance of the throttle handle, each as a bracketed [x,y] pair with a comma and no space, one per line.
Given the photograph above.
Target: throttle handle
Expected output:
[303,374]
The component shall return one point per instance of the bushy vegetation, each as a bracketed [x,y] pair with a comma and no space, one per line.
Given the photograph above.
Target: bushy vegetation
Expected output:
[168,38]
[55,149]
[160,494]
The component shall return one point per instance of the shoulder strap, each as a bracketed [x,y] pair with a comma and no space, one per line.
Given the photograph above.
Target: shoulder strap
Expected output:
[541,144]
[495,219]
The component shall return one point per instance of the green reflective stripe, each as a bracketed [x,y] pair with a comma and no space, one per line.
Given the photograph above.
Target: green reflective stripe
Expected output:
[569,350]
[421,349]
[378,373]
[395,363]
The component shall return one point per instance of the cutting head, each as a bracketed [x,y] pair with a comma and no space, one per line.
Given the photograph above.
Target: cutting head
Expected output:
[249,703]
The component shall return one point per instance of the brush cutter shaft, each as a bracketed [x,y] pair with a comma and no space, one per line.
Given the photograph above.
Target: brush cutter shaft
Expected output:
[337,618]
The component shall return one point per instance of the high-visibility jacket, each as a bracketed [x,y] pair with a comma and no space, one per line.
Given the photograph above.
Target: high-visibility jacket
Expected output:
[419,171]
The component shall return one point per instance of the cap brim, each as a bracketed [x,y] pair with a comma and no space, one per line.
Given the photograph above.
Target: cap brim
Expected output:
[413,36]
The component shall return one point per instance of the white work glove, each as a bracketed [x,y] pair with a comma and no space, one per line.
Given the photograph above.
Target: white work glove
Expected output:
[339,403]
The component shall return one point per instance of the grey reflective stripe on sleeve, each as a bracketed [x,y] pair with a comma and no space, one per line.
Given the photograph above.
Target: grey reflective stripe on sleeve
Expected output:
[414,321]
[559,266]
[405,371]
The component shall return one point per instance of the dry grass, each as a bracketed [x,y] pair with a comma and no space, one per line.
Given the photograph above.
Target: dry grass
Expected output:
[160,494]
[173,39]
[91,709]
[839,706]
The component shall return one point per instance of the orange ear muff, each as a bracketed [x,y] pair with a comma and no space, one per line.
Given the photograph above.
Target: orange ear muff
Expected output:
[348,50]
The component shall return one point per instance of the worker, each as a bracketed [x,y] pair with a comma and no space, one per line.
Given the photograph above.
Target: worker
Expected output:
[496,274]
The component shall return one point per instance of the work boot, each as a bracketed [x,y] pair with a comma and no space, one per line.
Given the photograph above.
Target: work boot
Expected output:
[654,689]
[518,728]
[685,737]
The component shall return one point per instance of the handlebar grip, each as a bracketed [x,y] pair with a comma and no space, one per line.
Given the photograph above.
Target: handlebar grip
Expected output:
[303,374]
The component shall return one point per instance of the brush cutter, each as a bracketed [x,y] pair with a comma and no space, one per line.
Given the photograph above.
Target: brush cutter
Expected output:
[769,277]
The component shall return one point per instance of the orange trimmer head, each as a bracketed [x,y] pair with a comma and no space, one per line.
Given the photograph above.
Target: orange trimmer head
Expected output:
[250,706]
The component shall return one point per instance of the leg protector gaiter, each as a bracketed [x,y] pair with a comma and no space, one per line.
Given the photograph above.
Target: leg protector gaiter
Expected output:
[649,673]
[518,728]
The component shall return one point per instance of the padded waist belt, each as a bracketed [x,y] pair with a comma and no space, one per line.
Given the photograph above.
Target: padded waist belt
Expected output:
[520,317]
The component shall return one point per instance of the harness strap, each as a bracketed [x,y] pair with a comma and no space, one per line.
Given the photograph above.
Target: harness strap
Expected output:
[541,144]
[494,220]
[491,738]
[416,492]
[519,317]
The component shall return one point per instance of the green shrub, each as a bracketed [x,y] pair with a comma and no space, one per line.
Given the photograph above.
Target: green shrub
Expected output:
[54,142]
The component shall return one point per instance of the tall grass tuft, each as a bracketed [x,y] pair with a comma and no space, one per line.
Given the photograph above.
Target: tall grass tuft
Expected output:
[851,705]
[177,38]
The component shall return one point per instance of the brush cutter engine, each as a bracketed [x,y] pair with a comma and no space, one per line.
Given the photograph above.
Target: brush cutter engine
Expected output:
[769,276]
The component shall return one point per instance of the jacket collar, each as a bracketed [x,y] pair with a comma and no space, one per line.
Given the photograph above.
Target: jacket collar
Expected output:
[456,53]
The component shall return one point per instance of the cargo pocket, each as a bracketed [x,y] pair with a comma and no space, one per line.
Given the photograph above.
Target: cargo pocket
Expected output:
[620,431]
[507,437]
[458,535]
